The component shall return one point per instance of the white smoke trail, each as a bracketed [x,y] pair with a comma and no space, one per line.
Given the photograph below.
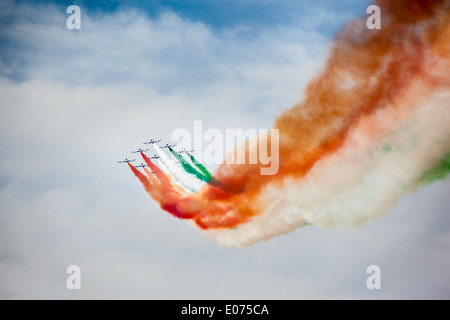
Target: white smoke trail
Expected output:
[182,178]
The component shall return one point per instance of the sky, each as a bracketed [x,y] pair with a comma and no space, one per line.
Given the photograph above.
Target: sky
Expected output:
[74,102]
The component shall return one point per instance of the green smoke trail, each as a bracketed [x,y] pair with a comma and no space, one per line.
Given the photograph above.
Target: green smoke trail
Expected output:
[438,172]
[203,175]
[200,166]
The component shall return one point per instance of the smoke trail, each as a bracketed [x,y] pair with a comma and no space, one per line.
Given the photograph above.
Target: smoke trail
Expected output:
[438,172]
[189,168]
[181,178]
[202,168]
[373,125]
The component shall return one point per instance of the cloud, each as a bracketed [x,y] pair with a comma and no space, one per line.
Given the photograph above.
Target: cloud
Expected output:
[73,103]
[164,52]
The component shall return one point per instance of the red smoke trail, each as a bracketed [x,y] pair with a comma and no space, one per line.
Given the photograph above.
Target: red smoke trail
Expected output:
[367,70]
[162,190]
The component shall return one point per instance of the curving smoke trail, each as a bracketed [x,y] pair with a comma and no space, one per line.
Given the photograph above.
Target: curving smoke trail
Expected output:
[374,124]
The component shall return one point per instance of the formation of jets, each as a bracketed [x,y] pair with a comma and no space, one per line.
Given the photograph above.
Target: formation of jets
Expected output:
[167,146]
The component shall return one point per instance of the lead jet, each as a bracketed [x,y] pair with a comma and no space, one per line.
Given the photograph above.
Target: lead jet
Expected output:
[152,141]
[126,161]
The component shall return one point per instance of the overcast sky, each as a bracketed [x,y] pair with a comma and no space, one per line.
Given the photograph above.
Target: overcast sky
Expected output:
[73,102]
